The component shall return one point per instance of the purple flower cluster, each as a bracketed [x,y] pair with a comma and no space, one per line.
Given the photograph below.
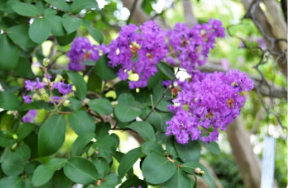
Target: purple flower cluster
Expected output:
[139,51]
[206,103]
[81,50]
[30,116]
[192,46]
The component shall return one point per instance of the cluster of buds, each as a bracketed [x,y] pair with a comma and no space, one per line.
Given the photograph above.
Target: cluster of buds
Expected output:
[199,171]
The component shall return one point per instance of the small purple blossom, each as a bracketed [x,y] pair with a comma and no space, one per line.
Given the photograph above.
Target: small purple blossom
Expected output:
[27,99]
[30,85]
[63,88]
[40,85]
[30,116]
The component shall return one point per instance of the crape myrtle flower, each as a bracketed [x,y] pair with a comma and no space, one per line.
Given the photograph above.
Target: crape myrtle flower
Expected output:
[27,99]
[81,50]
[192,46]
[30,116]
[206,103]
[63,88]
[138,50]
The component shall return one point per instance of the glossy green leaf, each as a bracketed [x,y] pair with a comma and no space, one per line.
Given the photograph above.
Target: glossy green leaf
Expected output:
[8,61]
[126,113]
[170,147]
[157,169]
[151,146]
[9,101]
[105,147]
[79,83]
[166,71]
[66,39]
[102,106]
[188,152]
[102,166]
[25,9]
[23,68]
[95,33]
[213,147]
[70,23]
[190,167]
[103,70]
[6,139]
[49,11]
[133,182]
[144,129]
[102,129]
[128,161]
[44,173]
[11,181]
[79,5]
[110,181]
[24,130]
[81,122]
[51,135]
[82,140]
[19,34]
[126,98]
[81,170]
[39,30]
[59,180]
[56,25]
[94,82]
[60,4]
[180,180]
[31,167]
[75,103]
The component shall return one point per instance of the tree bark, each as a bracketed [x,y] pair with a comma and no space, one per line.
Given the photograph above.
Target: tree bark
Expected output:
[190,19]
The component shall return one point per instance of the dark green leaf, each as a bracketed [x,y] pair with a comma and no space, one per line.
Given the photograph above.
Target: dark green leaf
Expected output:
[102,167]
[188,152]
[9,101]
[23,68]
[32,141]
[128,161]
[70,23]
[105,146]
[79,5]
[126,113]
[39,30]
[10,59]
[81,122]
[80,142]
[24,130]
[26,9]
[50,11]
[81,170]
[190,167]
[170,147]
[66,39]
[11,181]
[44,173]
[144,129]
[102,129]
[157,169]
[79,83]
[180,180]
[60,4]
[102,106]
[166,71]
[147,6]
[103,70]
[213,147]
[51,135]
[19,34]
[56,25]
[126,98]
[133,182]
[151,146]
[59,180]
[75,103]
[31,167]
[94,82]
[110,181]
[95,33]
[6,139]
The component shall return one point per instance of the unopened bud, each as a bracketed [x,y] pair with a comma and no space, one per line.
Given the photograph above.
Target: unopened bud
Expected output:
[36,97]
[58,78]
[46,61]
[197,170]
[45,80]
[10,112]
[71,94]
[45,97]
[67,103]
[202,173]
[42,91]
[186,107]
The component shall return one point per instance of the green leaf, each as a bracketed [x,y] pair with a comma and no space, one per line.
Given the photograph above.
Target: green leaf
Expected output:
[188,152]
[70,23]
[128,161]
[170,147]
[126,113]
[19,34]
[24,130]
[157,169]
[23,68]
[146,6]
[25,9]
[60,4]
[9,101]
[166,71]
[144,129]
[94,82]
[79,5]
[151,146]
[158,119]
[10,59]
[133,182]
[31,167]
[81,141]
[44,173]
[102,106]
[95,33]
[102,129]
[81,170]
[50,11]
[190,167]
[81,122]
[105,146]
[6,139]
[59,180]
[56,25]
[110,181]
[102,166]
[66,39]
[79,83]
[51,135]
[39,30]
[213,147]
[126,98]
[75,103]
[103,70]
[180,180]
[11,181]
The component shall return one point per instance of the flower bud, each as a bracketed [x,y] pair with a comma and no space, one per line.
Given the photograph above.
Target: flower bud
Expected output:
[71,94]
[67,103]
[46,61]
[186,107]
[45,80]
[197,170]
[174,91]
[10,112]
[36,97]
[45,97]
[42,91]
[202,173]
[58,78]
